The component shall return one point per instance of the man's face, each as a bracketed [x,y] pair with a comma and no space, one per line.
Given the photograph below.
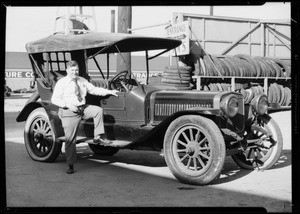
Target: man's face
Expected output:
[73,72]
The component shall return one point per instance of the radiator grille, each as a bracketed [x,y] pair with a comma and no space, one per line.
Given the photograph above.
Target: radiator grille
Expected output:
[166,109]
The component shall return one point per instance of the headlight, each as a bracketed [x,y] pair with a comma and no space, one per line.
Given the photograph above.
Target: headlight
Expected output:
[230,105]
[260,104]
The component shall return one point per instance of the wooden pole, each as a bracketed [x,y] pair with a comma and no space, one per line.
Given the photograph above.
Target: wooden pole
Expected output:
[112,22]
[124,23]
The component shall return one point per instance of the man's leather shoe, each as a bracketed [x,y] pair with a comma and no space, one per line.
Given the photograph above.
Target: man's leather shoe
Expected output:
[101,141]
[70,170]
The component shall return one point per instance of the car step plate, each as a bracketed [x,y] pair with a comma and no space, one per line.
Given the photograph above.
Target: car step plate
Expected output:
[115,143]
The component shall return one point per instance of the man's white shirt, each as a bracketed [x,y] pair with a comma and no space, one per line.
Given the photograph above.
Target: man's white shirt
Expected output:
[64,91]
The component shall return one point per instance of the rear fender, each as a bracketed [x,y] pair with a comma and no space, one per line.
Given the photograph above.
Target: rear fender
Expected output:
[52,112]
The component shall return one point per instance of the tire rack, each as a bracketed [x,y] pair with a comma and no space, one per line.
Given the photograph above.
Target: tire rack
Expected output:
[235,79]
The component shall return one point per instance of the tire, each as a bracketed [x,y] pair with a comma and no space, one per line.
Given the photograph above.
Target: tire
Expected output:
[103,150]
[230,67]
[264,158]
[194,149]
[285,70]
[210,71]
[182,68]
[218,67]
[252,62]
[176,76]
[39,137]
[235,61]
[175,81]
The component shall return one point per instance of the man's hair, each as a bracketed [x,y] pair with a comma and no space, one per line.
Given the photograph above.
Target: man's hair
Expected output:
[72,63]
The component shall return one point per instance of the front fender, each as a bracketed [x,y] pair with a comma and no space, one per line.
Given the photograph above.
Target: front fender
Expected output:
[52,112]
[154,134]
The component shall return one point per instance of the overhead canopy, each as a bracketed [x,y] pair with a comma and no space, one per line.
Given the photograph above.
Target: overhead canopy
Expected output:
[96,40]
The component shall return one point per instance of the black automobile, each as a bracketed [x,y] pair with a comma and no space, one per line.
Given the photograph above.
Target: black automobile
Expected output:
[194,129]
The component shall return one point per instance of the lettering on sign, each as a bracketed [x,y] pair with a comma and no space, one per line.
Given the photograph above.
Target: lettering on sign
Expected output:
[19,74]
[180,31]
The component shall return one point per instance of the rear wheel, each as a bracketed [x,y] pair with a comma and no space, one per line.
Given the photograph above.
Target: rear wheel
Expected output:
[194,149]
[40,141]
[264,145]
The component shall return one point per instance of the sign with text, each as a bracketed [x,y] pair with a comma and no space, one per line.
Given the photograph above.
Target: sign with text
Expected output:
[180,31]
[19,74]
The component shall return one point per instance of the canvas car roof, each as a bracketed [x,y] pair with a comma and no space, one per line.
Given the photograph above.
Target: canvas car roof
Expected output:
[97,40]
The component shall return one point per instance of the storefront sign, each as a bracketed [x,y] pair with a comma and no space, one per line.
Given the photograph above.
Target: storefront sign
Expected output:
[180,31]
[19,74]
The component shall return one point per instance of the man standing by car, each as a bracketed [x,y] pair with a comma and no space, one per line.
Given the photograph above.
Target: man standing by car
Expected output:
[69,94]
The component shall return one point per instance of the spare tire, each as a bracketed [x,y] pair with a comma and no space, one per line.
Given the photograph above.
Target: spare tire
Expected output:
[252,62]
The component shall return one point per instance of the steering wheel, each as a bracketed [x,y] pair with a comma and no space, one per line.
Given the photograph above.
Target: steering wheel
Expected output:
[120,81]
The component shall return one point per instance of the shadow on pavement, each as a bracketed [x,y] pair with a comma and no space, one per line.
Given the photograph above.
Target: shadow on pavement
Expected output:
[98,184]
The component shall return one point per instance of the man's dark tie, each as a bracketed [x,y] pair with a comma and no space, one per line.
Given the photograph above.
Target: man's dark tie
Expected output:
[77,90]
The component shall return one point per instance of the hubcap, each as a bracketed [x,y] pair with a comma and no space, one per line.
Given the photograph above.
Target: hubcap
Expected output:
[38,137]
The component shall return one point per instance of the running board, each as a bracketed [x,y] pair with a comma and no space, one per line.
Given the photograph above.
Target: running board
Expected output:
[115,143]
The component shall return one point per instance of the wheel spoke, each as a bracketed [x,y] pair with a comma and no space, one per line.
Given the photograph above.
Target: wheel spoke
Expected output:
[47,129]
[181,150]
[259,136]
[202,141]
[191,134]
[38,146]
[200,161]
[38,124]
[203,155]
[184,157]
[197,135]
[186,138]
[189,163]
[44,124]
[204,148]
[182,143]
[261,153]
[249,153]
[195,163]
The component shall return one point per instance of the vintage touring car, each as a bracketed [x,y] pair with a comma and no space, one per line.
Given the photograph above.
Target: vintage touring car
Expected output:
[194,129]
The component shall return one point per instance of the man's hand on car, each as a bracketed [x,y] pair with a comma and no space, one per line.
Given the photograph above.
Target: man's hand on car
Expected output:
[114,93]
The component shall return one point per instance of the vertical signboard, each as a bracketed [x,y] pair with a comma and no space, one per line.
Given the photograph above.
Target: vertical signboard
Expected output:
[180,31]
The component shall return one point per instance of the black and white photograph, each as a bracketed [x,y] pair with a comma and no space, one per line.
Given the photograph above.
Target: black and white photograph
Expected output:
[141,108]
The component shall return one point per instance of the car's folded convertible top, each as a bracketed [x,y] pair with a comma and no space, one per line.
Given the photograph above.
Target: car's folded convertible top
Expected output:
[105,41]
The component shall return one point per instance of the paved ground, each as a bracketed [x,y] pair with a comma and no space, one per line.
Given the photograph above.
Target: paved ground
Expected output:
[138,178]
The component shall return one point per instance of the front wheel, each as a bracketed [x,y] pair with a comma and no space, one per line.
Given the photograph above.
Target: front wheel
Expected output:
[39,137]
[194,149]
[264,145]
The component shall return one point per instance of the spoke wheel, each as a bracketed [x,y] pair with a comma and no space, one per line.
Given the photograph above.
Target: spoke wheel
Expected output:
[264,145]
[39,138]
[194,149]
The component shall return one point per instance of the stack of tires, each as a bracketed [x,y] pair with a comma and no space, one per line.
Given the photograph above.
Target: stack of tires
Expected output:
[222,87]
[178,77]
[242,65]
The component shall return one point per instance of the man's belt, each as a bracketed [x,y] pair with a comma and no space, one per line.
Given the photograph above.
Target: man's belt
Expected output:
[80,109]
